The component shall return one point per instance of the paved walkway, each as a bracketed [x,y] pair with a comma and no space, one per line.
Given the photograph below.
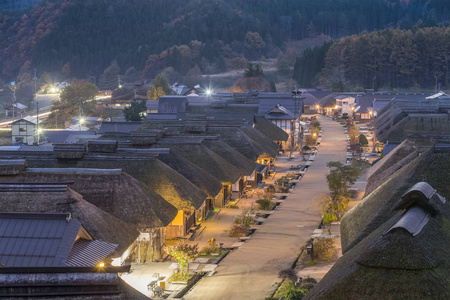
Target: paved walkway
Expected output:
[251,271]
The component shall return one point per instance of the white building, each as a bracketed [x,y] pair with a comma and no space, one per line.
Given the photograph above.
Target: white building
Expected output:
[24,131]
[344,103]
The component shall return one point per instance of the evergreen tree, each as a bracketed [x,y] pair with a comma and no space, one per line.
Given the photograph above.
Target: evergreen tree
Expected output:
[136,111]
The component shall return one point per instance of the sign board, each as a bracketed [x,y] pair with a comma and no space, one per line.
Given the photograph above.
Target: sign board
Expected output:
[13,83]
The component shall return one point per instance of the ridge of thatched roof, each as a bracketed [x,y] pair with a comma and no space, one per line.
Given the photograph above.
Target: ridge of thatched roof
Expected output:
[116,193]
[169,184]
[271,130]
[399,152]
[394,264]
[231,155]
[376,208]
[201,178]
[263,141]
[100,224]
[240,141]
[209,161]
[12,166]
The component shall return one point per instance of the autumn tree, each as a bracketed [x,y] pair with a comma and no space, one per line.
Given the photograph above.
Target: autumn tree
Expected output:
[339,180]
[182,254]
[154,93]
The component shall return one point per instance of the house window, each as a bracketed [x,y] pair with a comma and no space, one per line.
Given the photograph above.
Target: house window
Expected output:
[22,129]
[19,139]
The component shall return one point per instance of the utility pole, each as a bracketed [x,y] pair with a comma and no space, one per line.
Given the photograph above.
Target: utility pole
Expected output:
[35,81]
[373,83]
[94,79]
[436,83]
[80,111]
[37,121]
[14,98]
[120,83]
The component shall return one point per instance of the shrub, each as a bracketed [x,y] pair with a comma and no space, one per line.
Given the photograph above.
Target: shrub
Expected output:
[264,204]
[363,140]
[271,189]
[290,274]
[238,231]
[324,249]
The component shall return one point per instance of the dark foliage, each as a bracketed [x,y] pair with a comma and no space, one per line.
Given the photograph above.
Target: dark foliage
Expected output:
[134,112]
[89,34]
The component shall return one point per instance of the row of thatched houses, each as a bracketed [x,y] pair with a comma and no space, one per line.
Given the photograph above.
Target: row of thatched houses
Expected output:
[159,181]
[395,241]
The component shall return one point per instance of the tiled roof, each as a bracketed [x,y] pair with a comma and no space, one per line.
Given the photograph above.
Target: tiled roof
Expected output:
[36,240]
[89,253]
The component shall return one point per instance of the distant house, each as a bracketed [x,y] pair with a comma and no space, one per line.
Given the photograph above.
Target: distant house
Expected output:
[16,110]
[24,131]
[179,89]
[344,104]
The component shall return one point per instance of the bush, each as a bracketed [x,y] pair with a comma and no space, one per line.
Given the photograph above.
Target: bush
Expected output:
[324,249]
[264,204]
[238,231]
[271,189]
[290,274]
[363,140]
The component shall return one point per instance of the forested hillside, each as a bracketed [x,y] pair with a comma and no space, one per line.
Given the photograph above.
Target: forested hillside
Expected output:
[387,59]
[81,38]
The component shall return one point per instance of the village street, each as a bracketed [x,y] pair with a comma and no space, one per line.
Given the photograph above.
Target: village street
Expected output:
[251,271]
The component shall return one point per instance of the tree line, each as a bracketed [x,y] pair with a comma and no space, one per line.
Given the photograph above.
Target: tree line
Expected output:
[84,37]
[418,58]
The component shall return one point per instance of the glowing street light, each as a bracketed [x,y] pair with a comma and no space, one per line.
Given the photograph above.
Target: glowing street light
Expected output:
[314,135]
[101,264]
[208,92]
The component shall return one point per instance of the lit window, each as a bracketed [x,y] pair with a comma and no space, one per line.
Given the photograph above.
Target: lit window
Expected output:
[22,129]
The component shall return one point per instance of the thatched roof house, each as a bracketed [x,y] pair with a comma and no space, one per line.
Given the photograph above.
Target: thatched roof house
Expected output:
[154,174]
[244,164]
[204,158]
[201,178]
[406,257]
[58,198]
[388,165]
[111,190]
[245,139]
[271,130]
[376,208]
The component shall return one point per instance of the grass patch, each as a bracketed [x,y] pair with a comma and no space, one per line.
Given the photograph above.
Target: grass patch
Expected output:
[177,277]
[222,253]
[310,263]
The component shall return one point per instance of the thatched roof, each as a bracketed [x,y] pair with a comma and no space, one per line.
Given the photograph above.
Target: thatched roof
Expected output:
[263,141]
[201,178]
[376,208]
[394,263]
[100,224]
[12,166]
[270,130]
[114,192]
[245,139]
[209,161]
[157,178]
[378,172]
[231,155]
